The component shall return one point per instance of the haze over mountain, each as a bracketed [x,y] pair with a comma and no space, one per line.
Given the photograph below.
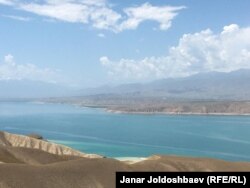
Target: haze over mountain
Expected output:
[212,85]
[17,89]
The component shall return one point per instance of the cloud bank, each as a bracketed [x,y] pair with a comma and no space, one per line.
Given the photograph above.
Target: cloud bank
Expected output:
[99,13]
[10,70]
[199,52]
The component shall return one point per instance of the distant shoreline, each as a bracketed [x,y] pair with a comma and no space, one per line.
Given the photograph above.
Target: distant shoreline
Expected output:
[118,111]
[175,113]
[168,108]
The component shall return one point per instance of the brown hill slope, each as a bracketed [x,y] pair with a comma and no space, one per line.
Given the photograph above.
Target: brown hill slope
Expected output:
[13,140]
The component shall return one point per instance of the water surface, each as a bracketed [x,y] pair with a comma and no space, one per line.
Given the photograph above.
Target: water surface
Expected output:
[122,135]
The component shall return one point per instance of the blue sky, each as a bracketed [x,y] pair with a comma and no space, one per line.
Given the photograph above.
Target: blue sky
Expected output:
[95,42]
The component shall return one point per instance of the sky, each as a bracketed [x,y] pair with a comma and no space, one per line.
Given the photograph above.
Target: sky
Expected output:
[89,43]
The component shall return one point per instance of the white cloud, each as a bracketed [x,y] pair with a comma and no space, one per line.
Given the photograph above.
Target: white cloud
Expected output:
[136,15]
[203,51]
[230,28]
[105,18]
[68,12]
[9,59]
[6,2]
[98,13]
[130,70]
[19,18]
[10,70]
[101,35]
[105,61]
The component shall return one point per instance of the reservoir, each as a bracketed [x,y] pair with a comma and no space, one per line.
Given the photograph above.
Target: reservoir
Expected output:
[94,130]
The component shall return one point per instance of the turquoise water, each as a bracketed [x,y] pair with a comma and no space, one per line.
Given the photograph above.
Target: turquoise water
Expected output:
[123,135]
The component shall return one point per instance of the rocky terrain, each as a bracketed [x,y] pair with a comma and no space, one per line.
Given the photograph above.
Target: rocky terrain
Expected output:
[8,140]
[29,162]
[195,107]
[121,104]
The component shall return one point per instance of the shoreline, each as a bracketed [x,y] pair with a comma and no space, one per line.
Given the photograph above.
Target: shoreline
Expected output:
[114,111]
[131,160]
[175,113]
[16,140]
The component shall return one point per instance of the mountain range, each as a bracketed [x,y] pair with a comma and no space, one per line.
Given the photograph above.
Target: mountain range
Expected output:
[203,86]
[212,85]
